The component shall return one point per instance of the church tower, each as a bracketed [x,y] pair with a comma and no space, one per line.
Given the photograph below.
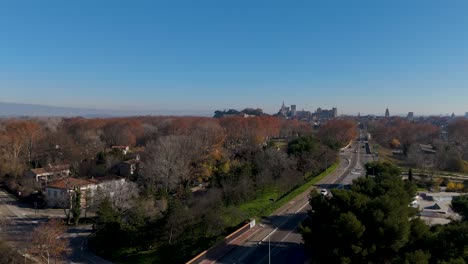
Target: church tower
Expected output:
[387,113]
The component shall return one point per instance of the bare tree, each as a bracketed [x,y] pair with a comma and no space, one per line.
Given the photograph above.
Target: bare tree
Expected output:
[167,163]
[47,241]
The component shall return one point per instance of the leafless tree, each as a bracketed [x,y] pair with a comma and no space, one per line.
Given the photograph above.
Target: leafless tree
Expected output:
[272,164]
[167,163]
[47,241]
[122,195]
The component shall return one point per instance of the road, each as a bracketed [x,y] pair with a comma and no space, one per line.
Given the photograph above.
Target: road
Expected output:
[17,222]
[276,238]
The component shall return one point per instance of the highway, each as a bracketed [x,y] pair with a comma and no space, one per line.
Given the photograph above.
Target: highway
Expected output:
[276,239]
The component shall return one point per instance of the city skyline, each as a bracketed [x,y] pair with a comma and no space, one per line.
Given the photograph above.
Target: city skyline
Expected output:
[20,109]
[205,56]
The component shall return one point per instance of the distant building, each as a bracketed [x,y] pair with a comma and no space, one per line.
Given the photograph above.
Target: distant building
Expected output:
[410,116]
[387,113]
[326,114]
[287,112]
[466,115]
[293,110]
[304,115]
[284,111]
[453,116]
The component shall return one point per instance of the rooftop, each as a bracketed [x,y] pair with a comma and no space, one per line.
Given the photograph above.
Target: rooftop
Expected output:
[51,169]
[69,183]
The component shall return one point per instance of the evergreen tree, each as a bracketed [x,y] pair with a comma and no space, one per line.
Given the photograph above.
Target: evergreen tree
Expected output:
[76,206]
[460,205]
[367,224]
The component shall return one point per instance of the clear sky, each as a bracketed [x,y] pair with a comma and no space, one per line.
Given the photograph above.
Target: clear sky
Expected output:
[360,56]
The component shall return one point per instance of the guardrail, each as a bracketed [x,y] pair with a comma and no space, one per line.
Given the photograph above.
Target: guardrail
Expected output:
[220,249]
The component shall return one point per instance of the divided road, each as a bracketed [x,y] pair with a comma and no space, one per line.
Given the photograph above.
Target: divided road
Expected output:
[276,239]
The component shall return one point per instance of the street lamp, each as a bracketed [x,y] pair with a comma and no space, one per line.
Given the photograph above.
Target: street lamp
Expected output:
[269,251]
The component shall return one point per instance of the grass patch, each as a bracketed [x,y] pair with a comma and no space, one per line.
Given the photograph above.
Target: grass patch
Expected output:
[269,200]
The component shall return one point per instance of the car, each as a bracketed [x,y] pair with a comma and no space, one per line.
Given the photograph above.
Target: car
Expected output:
[323,192]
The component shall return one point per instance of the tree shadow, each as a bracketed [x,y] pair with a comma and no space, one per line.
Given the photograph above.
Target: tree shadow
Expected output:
[273,252]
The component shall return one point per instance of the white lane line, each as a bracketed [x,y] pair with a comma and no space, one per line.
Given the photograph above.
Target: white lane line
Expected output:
[301,208]
[271,233]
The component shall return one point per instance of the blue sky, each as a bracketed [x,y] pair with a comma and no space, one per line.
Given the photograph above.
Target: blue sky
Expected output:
[361,56]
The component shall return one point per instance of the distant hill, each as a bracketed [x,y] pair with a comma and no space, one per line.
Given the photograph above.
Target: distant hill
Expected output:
[20,110]
[234,112]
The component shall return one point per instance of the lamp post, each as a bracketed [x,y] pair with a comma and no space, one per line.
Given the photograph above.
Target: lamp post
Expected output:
[269,254]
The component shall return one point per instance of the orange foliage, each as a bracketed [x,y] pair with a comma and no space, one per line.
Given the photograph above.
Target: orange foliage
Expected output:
[340,131]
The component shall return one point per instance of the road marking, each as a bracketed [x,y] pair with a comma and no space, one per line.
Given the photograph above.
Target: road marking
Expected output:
[271,233]
[302,207]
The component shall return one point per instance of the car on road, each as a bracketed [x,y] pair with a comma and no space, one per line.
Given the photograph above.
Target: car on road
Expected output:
[323,192]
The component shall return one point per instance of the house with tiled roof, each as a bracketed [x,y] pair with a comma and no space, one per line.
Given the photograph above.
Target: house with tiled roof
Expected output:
[59,192]
[48,173]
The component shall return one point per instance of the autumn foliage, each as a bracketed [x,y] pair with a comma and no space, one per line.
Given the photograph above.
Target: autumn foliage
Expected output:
[338,133]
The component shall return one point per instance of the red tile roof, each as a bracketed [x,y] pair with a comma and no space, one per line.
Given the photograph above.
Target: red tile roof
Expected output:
[70,183]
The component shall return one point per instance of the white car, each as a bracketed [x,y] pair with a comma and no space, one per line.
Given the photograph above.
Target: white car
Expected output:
[323,192]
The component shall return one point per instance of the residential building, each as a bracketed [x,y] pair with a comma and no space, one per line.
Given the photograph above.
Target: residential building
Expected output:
[410,116]
[49,173]
[60,192]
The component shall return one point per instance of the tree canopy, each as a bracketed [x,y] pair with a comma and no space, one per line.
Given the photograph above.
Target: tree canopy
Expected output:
[373,223]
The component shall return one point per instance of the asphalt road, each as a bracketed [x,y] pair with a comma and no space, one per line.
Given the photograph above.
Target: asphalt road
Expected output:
[276,239]
[17,221]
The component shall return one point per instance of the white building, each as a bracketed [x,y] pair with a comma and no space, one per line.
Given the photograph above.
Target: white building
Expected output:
[59,192]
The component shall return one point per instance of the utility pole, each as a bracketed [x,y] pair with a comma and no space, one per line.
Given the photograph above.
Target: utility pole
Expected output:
[269,252]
